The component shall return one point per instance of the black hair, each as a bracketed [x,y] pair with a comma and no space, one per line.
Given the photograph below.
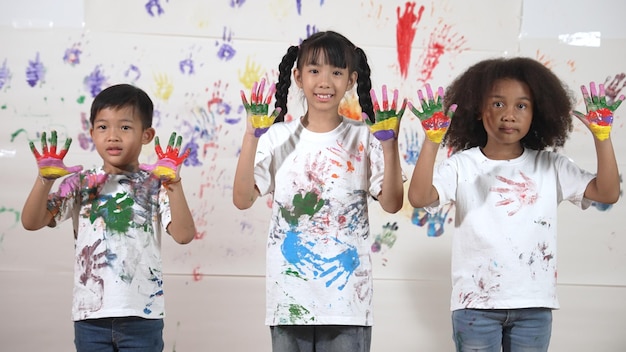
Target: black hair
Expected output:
[124,95]
[552,103]
[337,51]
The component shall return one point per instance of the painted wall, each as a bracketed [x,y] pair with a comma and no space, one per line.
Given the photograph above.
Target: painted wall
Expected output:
[193,58]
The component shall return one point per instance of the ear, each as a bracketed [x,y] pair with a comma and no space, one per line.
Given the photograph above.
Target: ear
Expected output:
[147,135]
[297,76]
[352,80]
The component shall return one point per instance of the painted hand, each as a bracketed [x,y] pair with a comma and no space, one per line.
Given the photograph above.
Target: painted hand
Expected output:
[386,121]
[167,167]
[258,119]
[599,116]
[49,162]
[434,121]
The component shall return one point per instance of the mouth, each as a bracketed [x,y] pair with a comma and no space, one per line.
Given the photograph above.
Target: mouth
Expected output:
[324,96]
[114,151]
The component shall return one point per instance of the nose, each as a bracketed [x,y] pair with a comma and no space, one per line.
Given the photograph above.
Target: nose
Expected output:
[112,135]
[508,114]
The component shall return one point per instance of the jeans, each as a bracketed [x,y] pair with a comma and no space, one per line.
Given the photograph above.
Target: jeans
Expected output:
[513,330]
[119,335]
[321,338]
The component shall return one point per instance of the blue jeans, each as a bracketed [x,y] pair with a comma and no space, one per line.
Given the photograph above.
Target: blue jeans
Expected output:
[321,338]
[513,330]
[119,335]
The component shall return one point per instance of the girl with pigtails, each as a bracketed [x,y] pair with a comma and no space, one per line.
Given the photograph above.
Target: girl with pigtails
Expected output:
[322,169]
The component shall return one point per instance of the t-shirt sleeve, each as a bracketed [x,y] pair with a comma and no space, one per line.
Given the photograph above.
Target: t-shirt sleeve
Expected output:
[573,182]
[445,182]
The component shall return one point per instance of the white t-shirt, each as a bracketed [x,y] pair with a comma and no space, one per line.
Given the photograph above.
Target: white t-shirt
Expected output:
[504,241]
[117,223]
[319,269]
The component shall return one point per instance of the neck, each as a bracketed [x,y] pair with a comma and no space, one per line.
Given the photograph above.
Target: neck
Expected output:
[502,153]
[318,123]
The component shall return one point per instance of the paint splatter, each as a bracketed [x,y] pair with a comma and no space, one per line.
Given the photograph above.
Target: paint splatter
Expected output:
[186,66]
[133,73]
[12,223]
[412,150]
[516,193]
[35,71]
[310,30]
[84,138]
[153,7]
[440,42]
[164,87]
[545,60]
[434,222]
[387,238]
[226,50]
[613,87]
[237,3]
[299,5]
[350,107]
[252,73]
[217,105]
[405,34]
[72,55]
[5,75]
[95,81]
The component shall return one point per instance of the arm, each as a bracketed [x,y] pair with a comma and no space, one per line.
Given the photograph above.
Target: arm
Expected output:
[391,196]
[605,187]
[167,169]
[421,190]
[245,192]
[258,122]
[385,128]
[182,227]
[35,214]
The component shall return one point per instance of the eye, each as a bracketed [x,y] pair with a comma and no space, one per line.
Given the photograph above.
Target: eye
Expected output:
[522,106]
[126,128]
[101,127]
[498,104]
[338,73]
[313,70]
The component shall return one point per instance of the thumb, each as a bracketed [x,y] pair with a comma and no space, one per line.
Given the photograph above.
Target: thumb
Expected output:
[147,167]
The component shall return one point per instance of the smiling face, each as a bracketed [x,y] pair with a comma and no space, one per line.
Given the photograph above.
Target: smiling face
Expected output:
[324,85]
[507,115]
[118,135]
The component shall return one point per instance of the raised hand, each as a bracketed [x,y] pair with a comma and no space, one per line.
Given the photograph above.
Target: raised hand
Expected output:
[434,121]
[258,119]
[167,167]
[599,116]
[49,162]
[386,121]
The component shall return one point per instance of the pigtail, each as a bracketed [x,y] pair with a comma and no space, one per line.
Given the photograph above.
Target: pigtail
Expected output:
[284,81]
[364,84]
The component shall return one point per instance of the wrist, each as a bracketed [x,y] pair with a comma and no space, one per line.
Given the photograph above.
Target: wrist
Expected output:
[169,183]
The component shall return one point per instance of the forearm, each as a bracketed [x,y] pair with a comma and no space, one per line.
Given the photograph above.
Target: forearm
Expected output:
[35,214]
[244,186]
[421,191]
[607,182]
[391,197]
[181,227]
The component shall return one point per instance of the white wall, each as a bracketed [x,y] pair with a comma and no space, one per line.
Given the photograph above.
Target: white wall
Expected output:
[215,286]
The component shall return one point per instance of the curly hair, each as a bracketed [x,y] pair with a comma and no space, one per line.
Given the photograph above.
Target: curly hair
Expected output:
[334,49]
[552,103]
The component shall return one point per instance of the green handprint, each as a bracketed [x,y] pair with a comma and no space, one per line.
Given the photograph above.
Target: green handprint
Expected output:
[307,205]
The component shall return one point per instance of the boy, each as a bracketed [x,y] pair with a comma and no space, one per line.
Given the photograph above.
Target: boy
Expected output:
[117,212]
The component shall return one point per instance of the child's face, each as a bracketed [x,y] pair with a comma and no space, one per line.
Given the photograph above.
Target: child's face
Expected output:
[119,137]
[324,86]
[507,114]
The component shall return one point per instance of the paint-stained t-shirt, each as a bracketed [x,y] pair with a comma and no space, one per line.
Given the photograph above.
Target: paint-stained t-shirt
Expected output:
[504,241]
[319,269]
[117,221]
